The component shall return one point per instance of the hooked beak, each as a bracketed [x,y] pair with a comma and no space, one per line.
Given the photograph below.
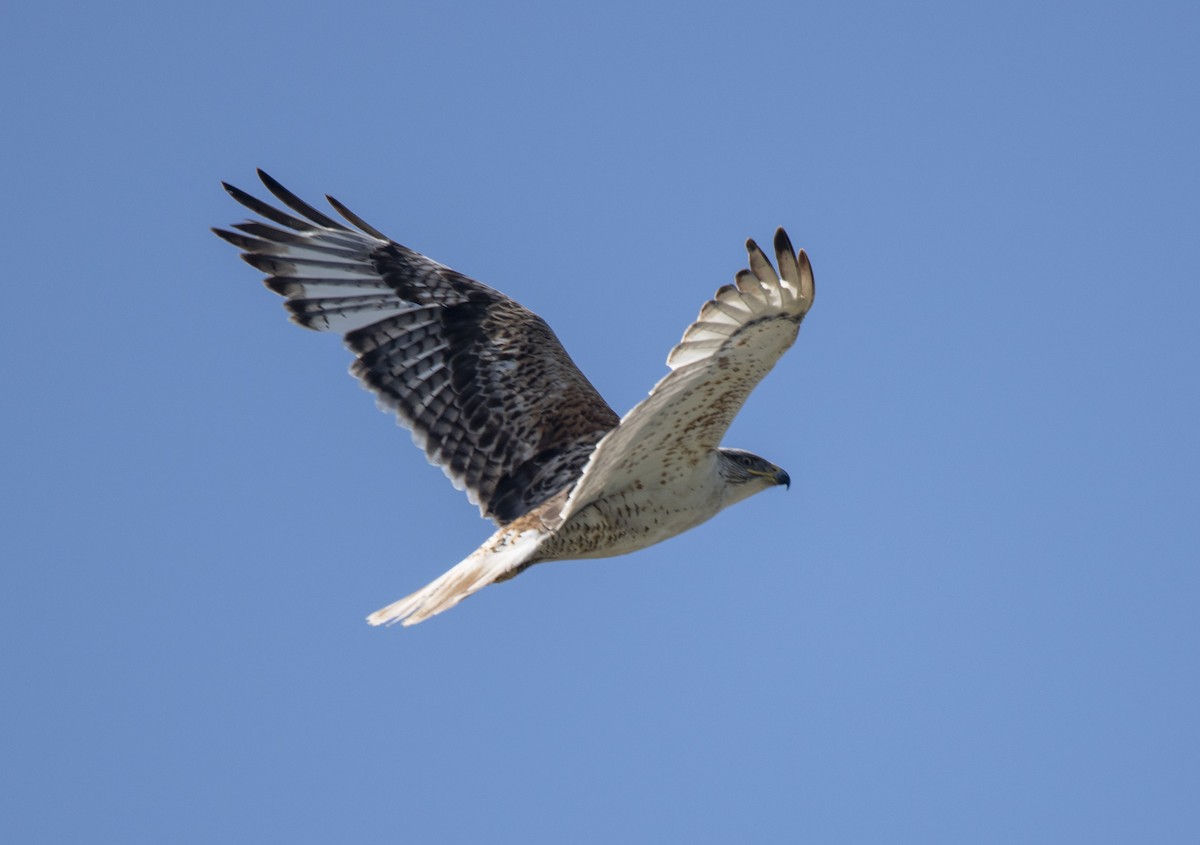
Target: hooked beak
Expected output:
[783,478]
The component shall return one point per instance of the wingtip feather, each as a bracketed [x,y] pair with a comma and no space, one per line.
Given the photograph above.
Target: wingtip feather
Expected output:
[355,219]
[783,244]
[296,204]
[808,286]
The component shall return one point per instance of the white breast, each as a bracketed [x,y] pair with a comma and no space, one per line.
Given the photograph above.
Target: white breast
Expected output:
[646,512]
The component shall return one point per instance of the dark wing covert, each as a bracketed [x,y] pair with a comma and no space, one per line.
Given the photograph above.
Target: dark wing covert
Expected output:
[484,385]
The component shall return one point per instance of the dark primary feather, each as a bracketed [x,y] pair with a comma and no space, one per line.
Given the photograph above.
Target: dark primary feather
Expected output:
[268,211]
[482,382]
[355,219]
[296,204]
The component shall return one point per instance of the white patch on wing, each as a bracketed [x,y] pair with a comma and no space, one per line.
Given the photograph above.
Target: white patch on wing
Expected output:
[345,314]
[323,288]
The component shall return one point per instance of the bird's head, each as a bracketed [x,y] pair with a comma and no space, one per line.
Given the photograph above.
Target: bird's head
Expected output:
[745,474]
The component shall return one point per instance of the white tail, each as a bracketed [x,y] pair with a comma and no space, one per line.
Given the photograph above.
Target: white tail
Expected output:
[503,552]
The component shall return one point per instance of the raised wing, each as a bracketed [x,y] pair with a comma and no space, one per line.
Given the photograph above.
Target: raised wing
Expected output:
[483,383]
[734,343]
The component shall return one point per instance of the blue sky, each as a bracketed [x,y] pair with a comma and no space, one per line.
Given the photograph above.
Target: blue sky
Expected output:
[971,619]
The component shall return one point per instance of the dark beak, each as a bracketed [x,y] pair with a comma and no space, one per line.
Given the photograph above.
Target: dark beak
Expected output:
[783,478]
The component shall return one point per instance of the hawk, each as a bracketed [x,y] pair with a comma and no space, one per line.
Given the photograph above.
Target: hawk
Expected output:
[491,395]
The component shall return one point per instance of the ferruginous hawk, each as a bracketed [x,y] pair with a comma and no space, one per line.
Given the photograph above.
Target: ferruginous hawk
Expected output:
[493,398]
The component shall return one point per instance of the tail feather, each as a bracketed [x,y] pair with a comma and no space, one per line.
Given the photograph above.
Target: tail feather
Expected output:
[504,552]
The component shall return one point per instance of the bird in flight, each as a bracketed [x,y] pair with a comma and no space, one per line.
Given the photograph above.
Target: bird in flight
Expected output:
[489,393]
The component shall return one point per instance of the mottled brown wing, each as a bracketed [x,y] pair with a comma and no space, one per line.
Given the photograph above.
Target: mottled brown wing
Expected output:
[482,382]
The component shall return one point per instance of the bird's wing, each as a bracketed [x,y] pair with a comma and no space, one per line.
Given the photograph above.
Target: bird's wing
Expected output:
[483,383]
[734,343]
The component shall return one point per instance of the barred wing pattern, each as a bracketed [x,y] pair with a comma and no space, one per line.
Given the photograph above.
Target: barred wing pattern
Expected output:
[482,382]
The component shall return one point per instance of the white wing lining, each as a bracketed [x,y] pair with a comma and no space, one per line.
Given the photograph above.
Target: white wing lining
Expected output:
[723,355]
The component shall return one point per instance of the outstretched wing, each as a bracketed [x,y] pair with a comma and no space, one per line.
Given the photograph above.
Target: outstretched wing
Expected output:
[483,383]
[734,343]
